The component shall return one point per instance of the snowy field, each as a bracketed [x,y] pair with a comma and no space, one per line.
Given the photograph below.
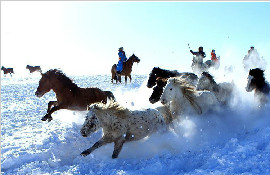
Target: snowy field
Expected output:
[236,140]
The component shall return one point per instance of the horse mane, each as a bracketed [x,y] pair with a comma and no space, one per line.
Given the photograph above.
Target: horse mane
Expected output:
[62,78]
[130,58]
[111,107]
[257,73]
[189,92]
[164,73]
[212,81]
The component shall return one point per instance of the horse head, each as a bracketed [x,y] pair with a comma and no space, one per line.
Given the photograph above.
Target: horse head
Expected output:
[153,77]
[257,73]
[56,80]
[207,82]
[155,96]
[158,90]
[134,58]
[44,86]
[255,79]
[91,123]
[170,91]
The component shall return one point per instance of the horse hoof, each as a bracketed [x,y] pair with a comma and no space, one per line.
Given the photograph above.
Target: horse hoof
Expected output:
[50,119]
[85,153]
[44,118]
[114,156]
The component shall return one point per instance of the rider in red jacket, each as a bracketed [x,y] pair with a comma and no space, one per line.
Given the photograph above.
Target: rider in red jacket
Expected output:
[213,56]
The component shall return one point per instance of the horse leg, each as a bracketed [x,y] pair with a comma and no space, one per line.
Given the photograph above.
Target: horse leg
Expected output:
[119,78]
[48,116]
[114,77]
[118,144]
[103,141]
[125,79]
[50,104]
[54,103]
[129,78]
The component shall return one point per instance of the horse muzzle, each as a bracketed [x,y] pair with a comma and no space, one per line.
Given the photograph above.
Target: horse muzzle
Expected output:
[83,133]
[39,94]
[163,101]
[153,100]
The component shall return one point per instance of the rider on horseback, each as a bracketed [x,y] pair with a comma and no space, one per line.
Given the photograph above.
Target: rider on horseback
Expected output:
[122,58]
[199,55]
[213,56]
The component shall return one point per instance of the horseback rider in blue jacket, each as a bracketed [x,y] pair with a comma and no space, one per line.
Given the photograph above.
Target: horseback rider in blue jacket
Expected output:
[122,58]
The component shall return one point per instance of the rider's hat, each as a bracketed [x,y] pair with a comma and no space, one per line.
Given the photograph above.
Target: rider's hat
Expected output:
[121,48]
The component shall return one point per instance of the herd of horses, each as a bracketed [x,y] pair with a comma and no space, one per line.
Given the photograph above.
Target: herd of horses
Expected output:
[30,68]
[180,94]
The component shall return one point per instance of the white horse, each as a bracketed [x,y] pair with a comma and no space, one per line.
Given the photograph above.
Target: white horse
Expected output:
[183,98]
[120,125]
[223,91]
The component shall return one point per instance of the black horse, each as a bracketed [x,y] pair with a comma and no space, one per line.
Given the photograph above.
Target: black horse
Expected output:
[256,82]
[158,72]
[159,78]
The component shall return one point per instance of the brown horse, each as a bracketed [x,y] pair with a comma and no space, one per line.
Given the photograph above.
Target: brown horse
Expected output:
[127,68]
[33,68]
[68,94]
[7,70]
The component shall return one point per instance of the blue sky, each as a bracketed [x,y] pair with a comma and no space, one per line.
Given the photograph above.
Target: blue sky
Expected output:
[84,37]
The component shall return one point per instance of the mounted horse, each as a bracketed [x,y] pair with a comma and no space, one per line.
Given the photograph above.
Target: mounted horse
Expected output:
[257,82]
[120,125]
[33,68]
[182,98]
[223,91]
[198,66]
[127,69]
[68,94]
[7,70]
[159,78]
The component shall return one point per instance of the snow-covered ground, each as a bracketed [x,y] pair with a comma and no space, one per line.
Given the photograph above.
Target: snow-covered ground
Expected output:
[236,140]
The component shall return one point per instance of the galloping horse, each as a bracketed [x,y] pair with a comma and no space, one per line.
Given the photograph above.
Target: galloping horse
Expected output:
[33,68]
[159,78]
[7,70]
[68,94]
[127,68]
[163,73]
[181,97]
[121,125]
[256,82]
[223,91]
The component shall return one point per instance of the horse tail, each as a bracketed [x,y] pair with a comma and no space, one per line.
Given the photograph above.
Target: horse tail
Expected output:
[110,95]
